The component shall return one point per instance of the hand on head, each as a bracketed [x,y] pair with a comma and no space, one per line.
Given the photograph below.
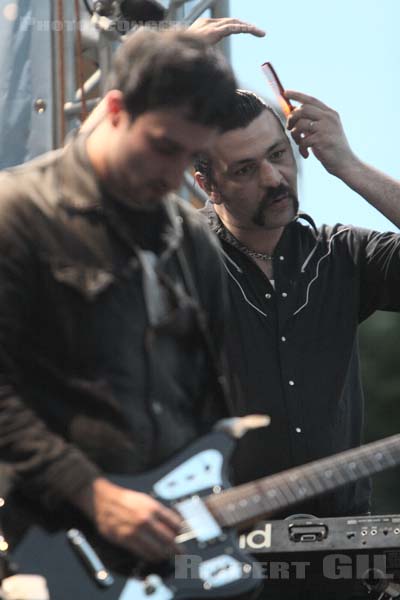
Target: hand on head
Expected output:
[213,31]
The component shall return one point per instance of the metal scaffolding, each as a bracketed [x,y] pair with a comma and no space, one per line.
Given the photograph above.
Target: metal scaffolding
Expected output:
[90,40]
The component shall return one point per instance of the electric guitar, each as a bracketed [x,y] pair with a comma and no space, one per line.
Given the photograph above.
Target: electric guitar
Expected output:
[194,483]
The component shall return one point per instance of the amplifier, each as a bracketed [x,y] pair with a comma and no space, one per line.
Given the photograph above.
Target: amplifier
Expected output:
[346,554]
[304,533]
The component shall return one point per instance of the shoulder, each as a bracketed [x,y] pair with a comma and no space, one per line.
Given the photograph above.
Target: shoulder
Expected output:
[355,237]
[22,190]
[202,249]
[195,224]
[20,185]
[360,246]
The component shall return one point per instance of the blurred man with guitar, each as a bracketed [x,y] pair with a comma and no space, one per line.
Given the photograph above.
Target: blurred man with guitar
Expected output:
[110,336]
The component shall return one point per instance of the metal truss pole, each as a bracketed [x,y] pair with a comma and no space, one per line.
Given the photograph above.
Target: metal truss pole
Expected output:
[220,9]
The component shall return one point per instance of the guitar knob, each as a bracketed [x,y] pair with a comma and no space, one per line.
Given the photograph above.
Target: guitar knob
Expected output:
[149,589]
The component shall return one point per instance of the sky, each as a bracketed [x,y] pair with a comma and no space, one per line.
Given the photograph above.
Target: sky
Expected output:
[348,56]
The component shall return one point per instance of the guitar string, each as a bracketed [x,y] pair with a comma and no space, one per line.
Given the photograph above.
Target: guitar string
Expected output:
[309,471]
[234,495]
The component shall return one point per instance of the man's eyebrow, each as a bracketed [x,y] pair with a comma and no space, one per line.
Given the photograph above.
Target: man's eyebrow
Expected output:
[165,141]
[249,159]
[243,161]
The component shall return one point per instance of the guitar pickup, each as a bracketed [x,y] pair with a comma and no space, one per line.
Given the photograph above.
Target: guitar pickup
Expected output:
[308,532]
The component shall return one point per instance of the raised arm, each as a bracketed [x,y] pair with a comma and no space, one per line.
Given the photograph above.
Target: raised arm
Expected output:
[211,31]
[318,127]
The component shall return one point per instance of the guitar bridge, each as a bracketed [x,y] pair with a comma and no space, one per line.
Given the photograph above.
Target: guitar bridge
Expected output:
[199,519]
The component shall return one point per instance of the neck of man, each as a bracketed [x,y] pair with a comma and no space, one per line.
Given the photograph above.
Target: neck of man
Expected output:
[253,237]
[94,147]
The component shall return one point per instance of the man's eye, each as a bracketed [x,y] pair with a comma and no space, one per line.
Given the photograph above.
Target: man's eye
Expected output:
[277,154]
[246,170]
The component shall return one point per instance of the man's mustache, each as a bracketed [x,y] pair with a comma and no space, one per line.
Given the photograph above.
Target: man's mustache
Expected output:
[273,193]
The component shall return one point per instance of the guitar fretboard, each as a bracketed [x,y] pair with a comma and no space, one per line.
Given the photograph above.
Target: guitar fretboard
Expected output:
[248,502]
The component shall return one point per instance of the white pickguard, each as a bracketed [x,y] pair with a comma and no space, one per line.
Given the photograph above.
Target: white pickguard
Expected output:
[199,472]
[215,572]
[220,571]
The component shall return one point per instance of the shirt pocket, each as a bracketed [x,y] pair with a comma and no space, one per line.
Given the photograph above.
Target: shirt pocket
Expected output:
[89,281]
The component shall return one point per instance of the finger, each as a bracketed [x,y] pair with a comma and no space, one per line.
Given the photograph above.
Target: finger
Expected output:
[304,152]
[170,518]
[304,99]
[169,546]
[311,113]
[163,532]
[241,27]
[307,143]
[303,128]
[297,136]
[164,536]
[147,547]
[303,141]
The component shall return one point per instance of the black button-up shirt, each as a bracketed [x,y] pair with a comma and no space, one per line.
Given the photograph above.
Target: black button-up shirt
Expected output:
[293,347]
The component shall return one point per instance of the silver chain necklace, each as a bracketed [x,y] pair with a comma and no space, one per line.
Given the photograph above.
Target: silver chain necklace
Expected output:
[228,237]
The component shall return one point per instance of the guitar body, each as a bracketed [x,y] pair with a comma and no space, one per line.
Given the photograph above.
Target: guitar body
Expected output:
[212,565]
[195,483]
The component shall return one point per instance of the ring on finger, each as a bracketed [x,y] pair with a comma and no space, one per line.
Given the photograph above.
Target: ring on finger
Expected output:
[311,126]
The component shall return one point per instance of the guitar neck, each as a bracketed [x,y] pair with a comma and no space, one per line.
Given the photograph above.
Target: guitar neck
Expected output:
[244,504]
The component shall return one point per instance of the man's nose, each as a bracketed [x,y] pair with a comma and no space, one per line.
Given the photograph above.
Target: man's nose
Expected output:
[269,174]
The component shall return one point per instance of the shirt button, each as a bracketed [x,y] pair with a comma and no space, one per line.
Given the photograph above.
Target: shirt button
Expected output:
[283,338]
[298,429]
[157,408]
[268,296]
[291,382]
[281,258]
[284,295]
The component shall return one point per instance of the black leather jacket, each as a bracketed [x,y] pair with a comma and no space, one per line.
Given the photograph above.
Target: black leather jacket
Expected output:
[85,386]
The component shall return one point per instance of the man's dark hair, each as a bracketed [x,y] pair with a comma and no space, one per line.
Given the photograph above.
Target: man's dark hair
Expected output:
[247,107]
[142,11]
[174,69]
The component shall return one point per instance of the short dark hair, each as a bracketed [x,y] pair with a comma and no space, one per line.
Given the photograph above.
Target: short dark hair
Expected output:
[247,107]
[173,69]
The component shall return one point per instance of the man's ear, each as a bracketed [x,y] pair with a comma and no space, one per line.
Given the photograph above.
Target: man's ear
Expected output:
[213,194]
[114,105]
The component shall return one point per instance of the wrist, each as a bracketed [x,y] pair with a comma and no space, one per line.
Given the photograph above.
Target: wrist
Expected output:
[86,499]
[348,169]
